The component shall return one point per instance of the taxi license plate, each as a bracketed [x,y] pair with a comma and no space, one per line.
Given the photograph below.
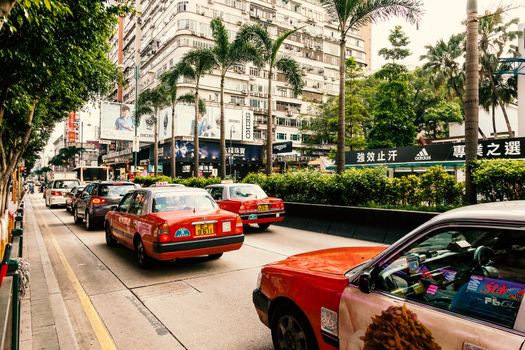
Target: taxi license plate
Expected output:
[263,207]
[204,230]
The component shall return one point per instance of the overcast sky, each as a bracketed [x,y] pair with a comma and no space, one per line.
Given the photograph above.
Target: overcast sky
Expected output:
[442,18]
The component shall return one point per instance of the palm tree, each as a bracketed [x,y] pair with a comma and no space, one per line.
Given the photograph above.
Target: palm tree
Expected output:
[286,65]
[65,156]
[227,55]
[494,38]
[471,99]
[150,102]
[198,62]
[170,80]
[353,15]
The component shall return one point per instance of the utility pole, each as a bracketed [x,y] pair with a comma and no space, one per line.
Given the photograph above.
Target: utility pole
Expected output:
[138,37]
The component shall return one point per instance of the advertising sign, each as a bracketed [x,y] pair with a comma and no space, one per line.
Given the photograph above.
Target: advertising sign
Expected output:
[238,123]
[117,122]
[282,147]
[487,149]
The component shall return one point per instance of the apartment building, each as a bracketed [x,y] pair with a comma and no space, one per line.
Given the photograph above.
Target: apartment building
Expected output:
[168,28]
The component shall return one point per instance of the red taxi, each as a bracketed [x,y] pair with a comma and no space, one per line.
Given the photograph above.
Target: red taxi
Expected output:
[250,202]
[456,282]
[165,223]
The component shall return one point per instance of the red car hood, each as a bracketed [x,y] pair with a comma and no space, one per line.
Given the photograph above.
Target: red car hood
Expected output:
[335,261]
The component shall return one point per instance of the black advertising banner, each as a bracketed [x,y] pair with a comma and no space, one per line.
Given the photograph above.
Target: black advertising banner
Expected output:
[282,147]
[449,152]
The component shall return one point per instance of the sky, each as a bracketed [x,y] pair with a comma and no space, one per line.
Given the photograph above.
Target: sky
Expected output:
[441,19]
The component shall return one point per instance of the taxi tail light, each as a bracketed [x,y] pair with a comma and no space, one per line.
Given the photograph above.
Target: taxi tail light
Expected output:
[238,225]
[56,193]
[278,205]
[248,208]
[97,200]
[164,233]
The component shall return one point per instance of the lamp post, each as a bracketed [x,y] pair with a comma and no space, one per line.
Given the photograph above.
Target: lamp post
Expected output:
[232,131]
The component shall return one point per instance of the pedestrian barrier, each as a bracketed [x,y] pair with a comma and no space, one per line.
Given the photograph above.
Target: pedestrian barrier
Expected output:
[14,277]
[377,225]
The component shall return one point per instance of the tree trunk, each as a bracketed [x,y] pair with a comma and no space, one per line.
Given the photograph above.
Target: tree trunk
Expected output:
[501,104]
[471,99]
[269,127]
[494,121]
[156,144]
[196,133]
[173,148]
[222,172]
[340,156]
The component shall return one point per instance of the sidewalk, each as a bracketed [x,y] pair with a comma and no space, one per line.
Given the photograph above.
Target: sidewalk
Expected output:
[45,322]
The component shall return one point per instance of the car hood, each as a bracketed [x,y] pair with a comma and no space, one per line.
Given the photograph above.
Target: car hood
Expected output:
[336,261]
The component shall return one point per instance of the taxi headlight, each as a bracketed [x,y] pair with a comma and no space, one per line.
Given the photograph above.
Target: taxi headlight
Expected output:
[259,279]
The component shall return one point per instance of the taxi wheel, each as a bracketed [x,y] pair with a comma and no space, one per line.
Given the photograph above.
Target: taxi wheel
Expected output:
[215,256]
[291,329]
[75,216]
[143,259]
[110,239]
[263,226]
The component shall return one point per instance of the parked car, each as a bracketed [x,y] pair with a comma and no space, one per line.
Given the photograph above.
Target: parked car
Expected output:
[165,223]
[250,202]
[55,192]
[456,282]
[72,196]
[96,200]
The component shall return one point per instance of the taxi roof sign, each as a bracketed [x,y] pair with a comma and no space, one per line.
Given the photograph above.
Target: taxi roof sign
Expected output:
[161,183]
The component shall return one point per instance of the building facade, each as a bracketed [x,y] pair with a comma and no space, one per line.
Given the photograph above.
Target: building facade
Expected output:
[166,29]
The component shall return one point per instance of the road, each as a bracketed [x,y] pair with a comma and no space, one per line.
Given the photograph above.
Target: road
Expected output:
[187,304]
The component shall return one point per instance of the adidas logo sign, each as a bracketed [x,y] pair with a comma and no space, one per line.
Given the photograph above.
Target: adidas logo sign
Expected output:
[423,155]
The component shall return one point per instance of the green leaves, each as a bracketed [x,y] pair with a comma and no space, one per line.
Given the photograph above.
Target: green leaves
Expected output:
[500,179]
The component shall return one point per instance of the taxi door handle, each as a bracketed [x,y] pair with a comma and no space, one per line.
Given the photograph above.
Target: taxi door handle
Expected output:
[470,346]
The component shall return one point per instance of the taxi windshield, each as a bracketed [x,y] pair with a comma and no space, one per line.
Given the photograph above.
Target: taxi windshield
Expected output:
[182,201]
[247,191]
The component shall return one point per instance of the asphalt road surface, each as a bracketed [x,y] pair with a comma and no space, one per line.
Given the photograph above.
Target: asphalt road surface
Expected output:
[187,304]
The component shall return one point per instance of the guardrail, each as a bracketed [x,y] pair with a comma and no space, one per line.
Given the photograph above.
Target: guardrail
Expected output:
[11,226]
[377,225]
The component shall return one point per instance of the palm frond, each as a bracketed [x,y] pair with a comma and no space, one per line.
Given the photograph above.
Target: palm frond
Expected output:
[189,98]
[257,35]
[220,38]
[244,52]
[292,72]
[201,60]
[373,11]
[279,41]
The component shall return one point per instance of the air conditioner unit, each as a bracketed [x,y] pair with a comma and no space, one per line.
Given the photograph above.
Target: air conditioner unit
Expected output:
[321,70]
[252,78]
[210,1]
[244,91]
[325,77]
[203,13]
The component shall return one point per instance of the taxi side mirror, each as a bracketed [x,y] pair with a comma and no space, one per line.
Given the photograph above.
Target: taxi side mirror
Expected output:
[366,281]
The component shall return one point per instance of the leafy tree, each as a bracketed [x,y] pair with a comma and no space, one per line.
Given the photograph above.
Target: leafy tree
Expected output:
[57,61]
[198,62]
[66,157]
[436,119]
[228,55]
[288,66]
[399,42]
[354,15]
[151,102]
[393,115]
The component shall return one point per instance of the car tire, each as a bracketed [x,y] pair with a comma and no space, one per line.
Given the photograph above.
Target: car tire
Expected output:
[67,208]
[263,226]
[110,239]
[298,333]
[143,260]
[215,256]
[47,203]
[75,216]
[90,225]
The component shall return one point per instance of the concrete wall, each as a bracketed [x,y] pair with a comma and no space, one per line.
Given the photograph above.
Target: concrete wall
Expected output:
[378,225]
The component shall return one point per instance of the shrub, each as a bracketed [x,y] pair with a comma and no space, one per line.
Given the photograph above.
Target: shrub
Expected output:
[500,179]
[149,180]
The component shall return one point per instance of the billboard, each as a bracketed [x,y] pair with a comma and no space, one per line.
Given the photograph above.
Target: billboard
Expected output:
[117,122]
[238,123]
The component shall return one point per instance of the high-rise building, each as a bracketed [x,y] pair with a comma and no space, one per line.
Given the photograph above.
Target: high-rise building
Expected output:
[168,28]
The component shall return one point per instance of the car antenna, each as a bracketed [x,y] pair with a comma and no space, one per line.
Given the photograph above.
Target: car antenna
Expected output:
[194,204]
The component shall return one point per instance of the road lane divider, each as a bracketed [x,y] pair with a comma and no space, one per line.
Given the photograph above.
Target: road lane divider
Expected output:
[104,338]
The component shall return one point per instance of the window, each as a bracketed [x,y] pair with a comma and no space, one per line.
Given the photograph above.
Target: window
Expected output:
[476,272]
[182,6]
[237,100]
[185,201]
[281,136]
[245,191]
[216,193]
[65,183]
[137,205]
[294,137]
[115,191]
[124,204]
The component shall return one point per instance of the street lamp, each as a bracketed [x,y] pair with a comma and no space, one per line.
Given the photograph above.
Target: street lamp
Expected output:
[232,131]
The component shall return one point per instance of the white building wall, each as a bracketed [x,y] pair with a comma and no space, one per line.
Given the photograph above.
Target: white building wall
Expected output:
[521,84]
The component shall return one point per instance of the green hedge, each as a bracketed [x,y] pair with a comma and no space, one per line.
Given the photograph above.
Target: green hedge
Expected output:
[435,189]
[500,179]
[189,182]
